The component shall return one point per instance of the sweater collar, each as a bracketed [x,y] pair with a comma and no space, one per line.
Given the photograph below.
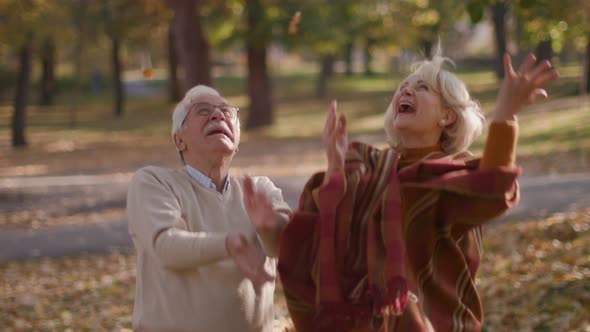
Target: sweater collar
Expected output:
[203,179]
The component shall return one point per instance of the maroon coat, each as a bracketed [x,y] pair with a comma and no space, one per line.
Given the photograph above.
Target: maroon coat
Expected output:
[358,242]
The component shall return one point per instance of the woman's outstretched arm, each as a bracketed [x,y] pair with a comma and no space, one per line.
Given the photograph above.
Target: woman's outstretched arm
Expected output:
[518,89]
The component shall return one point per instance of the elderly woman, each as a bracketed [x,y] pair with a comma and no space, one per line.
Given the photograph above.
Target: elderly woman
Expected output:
[391,239]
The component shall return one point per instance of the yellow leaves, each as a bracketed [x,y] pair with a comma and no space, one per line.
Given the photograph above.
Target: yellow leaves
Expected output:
[80,294]
[535,276]
[426,18]
[66,318]
[294,23]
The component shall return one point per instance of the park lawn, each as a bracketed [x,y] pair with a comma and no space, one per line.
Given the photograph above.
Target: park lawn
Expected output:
[79,135]
[535,276]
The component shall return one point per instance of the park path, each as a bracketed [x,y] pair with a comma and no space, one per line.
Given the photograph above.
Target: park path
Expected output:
[541,196]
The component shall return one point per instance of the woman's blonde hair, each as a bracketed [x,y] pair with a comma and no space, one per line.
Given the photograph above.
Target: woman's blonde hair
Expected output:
[470,121]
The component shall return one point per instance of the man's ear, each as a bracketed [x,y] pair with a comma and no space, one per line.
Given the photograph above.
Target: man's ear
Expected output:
[179,142]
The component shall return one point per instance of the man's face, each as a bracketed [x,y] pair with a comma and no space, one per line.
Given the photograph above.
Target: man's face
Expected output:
[211,125]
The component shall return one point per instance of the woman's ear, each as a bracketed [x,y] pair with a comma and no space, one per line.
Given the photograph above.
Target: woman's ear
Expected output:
[449,117]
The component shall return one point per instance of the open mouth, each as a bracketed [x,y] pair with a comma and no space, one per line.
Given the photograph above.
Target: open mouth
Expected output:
[218,129]
[405,108]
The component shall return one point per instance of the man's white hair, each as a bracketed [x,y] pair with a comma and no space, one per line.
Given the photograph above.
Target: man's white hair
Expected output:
[470,120]
[182,108]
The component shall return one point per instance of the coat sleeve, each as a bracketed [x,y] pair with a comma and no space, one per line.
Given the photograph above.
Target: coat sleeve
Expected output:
[156,226]
[464,198]
[500,149]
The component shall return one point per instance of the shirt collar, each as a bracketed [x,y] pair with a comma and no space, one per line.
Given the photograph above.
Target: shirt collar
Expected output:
[203,179]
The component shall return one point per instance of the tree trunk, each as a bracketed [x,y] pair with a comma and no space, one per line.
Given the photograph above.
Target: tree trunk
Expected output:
[348,57]
[326,71]
[22,93]
[47,84]
[586,76]
[191,43]
[117,81]
[259,88]
[499,11]
[427,48]
[173,87]
[79,24]
[544,50]
[368,57]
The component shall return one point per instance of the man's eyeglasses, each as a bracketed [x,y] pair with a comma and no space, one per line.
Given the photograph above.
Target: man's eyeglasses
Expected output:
[205,109]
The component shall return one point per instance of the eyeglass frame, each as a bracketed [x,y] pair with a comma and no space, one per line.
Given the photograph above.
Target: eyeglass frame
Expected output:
[211,108]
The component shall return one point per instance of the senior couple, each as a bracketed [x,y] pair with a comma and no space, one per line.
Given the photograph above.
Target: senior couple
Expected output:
[207,242]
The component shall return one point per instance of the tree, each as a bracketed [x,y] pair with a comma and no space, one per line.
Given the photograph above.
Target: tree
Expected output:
[47,83]
[327,44]
[499,10]
[20,21]
[173,86]
[578,21]
[191,43]
[126,22]
[22,92]
[429,21]
[259,87]
[585,83]
[549,25]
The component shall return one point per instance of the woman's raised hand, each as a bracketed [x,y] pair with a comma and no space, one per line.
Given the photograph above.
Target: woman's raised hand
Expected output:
[335,138]
[259,208]
[522,87]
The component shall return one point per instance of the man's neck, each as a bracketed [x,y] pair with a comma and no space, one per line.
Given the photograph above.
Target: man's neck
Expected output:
[216,169]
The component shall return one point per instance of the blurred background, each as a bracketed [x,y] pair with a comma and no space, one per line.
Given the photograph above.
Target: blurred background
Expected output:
[86,94]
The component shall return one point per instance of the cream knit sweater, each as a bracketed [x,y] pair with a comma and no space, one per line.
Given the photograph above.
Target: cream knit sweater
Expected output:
[186,280]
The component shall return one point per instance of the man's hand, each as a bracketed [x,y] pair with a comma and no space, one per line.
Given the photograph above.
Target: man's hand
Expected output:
[522,87]
[335,139]
[249,258]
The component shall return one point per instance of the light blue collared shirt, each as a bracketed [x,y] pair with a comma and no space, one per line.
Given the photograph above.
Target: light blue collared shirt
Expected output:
[203,179]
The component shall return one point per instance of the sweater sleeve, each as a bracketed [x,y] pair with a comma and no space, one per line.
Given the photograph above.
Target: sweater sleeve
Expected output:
[157,226]
[500,149]
[282,211]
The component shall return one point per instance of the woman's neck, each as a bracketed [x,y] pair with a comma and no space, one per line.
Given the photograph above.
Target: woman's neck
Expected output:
[412,155]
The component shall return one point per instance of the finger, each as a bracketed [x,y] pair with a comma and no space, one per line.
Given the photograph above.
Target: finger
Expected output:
[508,70]
[249,185]
[248,191]
[341,125]
[528,63]
[538,94]
[265,276]
[539,69]
[239,242]
[331,118]
[545,77]
[262,200]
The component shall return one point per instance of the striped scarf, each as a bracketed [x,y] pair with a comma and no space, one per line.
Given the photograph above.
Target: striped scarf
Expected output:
[345,258]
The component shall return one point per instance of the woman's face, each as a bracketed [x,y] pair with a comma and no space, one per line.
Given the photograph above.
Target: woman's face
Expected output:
[417,109]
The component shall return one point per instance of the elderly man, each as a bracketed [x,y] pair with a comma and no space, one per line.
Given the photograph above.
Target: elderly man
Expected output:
[203,236]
